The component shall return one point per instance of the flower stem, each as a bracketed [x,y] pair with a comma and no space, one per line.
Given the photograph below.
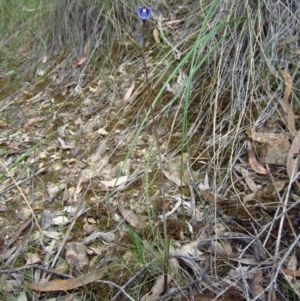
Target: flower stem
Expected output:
[159,160]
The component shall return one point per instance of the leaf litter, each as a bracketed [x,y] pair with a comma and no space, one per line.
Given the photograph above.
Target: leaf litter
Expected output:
[79,191]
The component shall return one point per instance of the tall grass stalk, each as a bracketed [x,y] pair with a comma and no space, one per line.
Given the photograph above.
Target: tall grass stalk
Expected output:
[158,153]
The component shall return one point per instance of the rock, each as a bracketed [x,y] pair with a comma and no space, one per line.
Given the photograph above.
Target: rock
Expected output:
[275,152]
[76,255]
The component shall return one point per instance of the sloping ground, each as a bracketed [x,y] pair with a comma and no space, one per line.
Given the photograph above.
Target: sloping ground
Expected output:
[80,183]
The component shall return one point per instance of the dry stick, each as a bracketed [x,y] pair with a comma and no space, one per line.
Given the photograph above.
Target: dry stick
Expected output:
[275,258]
[38,267]
[22,181]
[160,160]
[120,288]
[280,264]
[25,199]
[281,201]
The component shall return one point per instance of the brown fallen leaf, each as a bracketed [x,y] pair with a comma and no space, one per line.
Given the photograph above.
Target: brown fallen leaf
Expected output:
[293,157]
[173,179]
[79,62]
[32,258]
[291,116]
[78,189]
[249,181]
[65,285]
[211,198]
[128,93]
[14,145]
[7,253]
[165,4]
[86,47]
[249,197]
[3,124]
[157,289]
[156,36]
[29,122]
[255,165]
[63,144]
[256,278]
[222,249]
[288,80]
[279,185]
[115,182]
[174,22]
[291,264]
[92,89]
[290,272]
[132,218]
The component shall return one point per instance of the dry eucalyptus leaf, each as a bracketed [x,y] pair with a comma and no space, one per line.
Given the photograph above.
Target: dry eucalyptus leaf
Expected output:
[98,250]
[115,182]
[222,249]
[291,116]
[7,253]
[62,267]
[79,62]
[211,198]
[24,213]
[156,36]
[60,221]
[173,179]
[255,285]
[174,22]
[255,165]
[291,265]
[29,122]
[248,197]
[165,4]
[129,92]
[264,137]
[288,80]
[132,218]
[157,289]
[174,266]
[63,144]
[86,47]
[279,185]
[251,184]
[102,132]
[294,273]
[53,234]
[32,258]
[65,285]
[186,251]
[176,206]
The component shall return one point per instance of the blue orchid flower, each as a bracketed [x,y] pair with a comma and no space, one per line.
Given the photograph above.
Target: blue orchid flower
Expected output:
[144,12]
